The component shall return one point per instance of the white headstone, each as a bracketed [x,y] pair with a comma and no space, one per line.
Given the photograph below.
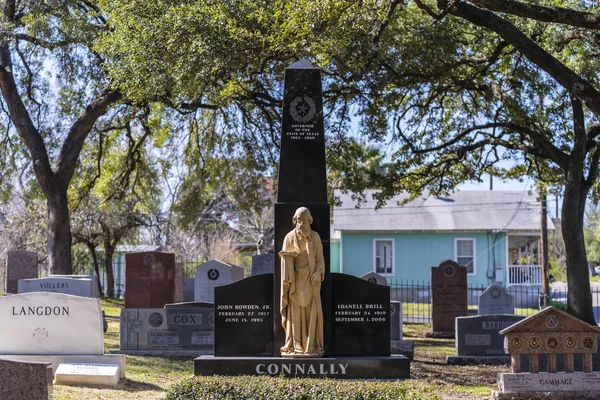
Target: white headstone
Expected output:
[94,278]
[495,300]
[87,374]
[211,274]
[59,284]
[50,323]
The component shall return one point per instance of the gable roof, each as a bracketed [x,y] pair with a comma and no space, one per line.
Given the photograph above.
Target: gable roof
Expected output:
[536,323]
[468,210]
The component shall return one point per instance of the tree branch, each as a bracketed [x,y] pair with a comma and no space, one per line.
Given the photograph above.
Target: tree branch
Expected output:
[559,15]
[574,83]
[79,131]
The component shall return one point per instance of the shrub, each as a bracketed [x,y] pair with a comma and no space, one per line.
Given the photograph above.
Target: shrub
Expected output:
[280,388]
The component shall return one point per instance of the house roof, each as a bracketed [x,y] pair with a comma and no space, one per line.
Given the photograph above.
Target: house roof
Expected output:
[539,322]
[468,210]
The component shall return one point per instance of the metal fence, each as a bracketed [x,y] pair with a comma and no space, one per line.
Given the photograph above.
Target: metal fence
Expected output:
[416,299]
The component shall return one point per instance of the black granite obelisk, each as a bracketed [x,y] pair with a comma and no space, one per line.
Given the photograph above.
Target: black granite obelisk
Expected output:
[302,178]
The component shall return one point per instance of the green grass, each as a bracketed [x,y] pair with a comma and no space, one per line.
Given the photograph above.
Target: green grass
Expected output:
[149,378]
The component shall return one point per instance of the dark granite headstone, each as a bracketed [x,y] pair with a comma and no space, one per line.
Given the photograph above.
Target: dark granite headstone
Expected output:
[448,295]
[478,335]
[23,380]
[19,265]
[244,317]
[374,278]
[188,289]
[302,178]
[263,263]
[361,317]
[149,279]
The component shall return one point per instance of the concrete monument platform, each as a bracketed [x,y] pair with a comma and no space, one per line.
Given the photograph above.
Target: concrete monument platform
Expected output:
[478,360]
[383,367]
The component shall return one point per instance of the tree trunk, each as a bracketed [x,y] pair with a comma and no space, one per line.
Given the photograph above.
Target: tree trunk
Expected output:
[109,251]
[579,298]
[96,266]
[59,234]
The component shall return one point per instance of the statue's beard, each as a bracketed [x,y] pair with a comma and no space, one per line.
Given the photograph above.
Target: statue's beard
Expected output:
[303,232]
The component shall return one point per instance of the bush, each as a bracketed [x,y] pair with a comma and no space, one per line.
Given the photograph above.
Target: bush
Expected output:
[558,304]
[270,388]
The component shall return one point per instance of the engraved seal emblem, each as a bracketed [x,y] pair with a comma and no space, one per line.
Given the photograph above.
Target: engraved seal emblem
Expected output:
[516,343]
[211,319]
[495,292]
[534,343]
[40,334]
[372,280]
[303,109]
[136,325]
[149,260]
[155,319]
[570,342]
[588,342]
[551,321]
[449,270]
[213,274]
[552,343]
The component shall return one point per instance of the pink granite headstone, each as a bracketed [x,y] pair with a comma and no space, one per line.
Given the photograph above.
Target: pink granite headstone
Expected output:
[20,264]
[25,380]
[149,279]
[448,295]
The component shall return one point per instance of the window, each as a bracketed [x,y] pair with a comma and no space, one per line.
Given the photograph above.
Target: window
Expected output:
[383,256]
[464,254]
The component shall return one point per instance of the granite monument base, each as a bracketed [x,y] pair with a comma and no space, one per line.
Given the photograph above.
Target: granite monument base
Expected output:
[440,335]
[478,360]
[383,367]
[403,347]
[179,353]
[496,395]
[529,385]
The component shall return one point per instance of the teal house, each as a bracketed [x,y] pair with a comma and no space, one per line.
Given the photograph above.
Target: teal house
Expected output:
[494,234]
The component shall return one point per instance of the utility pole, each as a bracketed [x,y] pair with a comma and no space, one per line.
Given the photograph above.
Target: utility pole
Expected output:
[544,247]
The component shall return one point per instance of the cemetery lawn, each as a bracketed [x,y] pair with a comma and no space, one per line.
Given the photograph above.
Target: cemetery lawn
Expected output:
[150,377]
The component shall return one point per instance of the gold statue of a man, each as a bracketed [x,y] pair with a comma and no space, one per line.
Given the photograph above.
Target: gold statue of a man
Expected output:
[302,271]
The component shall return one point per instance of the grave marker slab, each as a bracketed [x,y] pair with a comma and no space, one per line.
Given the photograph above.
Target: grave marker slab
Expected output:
[149,279]
[375,278]
[244,317]
[448,297]
[212,274]
[188,289]
[50,323]
[59,284]
[87,374]
[479,335]
[25,380]
[361,317]
[495,300]
[20,264]
[263,263]
[176,328]
[94,278]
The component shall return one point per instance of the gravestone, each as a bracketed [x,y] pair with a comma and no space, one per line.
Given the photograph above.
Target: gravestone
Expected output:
[87,374]
[448,297]
[179,294]
[212,274]
[50,323]
[551,332]
[263,263]
[361,317]
[479,335]
[25,380]
[302,183]
[149,279]
[395,320]
[375,278]
[20,264]
[176,327]
[95,290]
[244,317]
[59,284]
[188,289]
[495,300]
